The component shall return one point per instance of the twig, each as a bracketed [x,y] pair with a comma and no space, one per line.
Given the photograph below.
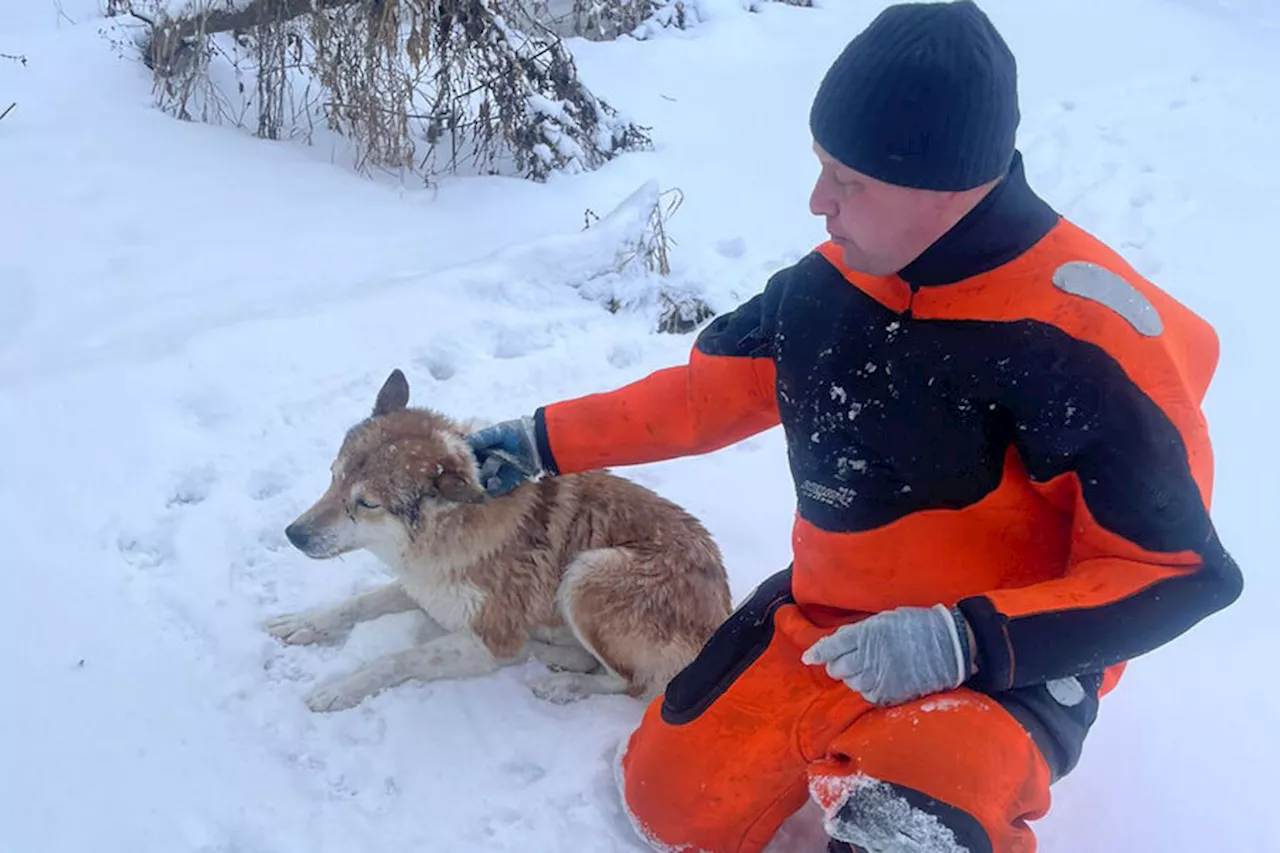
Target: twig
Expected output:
[8,110]
[19,59]
[334,105]
[57,4]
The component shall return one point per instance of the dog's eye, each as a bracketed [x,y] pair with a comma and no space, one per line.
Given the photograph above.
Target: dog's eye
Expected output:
[365,503]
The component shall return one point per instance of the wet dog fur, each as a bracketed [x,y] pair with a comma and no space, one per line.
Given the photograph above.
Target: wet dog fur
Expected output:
[607,583]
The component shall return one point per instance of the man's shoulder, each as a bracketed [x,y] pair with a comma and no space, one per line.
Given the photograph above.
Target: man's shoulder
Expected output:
[1084,278]
[1076,282]
[1083,274]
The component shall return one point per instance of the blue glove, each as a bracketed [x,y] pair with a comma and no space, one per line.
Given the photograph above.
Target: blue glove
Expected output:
[898,655]
[507,453]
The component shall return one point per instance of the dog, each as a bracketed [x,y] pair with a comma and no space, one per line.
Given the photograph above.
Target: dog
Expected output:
[613,587]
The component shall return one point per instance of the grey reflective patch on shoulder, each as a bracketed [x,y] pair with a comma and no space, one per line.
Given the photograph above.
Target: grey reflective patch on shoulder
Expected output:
[1067,692]
[1091,281]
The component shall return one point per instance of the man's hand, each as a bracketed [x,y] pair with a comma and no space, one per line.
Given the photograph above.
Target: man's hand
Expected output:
[508,455]
[898,655]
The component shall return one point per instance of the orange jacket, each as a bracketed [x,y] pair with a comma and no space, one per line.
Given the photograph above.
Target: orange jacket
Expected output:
[1012,424]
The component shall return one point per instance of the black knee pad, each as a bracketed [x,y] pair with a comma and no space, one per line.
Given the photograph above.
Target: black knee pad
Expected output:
[734,646]
[881,817]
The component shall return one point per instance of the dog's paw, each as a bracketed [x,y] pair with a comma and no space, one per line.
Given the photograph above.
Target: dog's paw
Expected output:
[336,695]
[302,629]
[562,688]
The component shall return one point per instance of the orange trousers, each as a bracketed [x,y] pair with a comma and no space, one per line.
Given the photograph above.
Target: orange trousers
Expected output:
[747,733]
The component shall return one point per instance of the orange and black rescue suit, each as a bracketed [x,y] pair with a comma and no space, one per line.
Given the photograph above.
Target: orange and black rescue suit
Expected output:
[1013,425]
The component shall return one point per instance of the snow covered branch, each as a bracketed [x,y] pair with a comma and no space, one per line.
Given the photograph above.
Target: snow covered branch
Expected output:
[170,36]
[419,86]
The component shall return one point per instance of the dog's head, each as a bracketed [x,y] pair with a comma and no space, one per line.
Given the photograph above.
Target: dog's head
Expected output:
[396,473]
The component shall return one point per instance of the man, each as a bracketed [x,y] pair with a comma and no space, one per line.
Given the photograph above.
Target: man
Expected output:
[1002,477]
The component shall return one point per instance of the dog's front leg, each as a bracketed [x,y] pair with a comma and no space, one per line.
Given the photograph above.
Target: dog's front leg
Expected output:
[331,623]
[460,655]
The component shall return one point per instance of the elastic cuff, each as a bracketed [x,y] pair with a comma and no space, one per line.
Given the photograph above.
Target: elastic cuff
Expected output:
[543,443]
[966,651]
[957,645]
[993,652]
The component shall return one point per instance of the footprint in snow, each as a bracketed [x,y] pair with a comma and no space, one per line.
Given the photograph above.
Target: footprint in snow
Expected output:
[18,297]
[517,343]
[149,549]
[439,362]
[192,487]
[623,355]
[734,248]
[523,773]
[264,485]
[209,410]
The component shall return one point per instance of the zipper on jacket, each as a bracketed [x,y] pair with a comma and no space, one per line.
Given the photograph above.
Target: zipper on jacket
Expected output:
[911,300]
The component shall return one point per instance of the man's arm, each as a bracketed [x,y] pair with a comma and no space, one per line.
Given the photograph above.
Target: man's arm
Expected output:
[1119,442]
[725,393]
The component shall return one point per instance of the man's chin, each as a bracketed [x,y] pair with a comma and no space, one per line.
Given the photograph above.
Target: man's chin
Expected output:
[853,257]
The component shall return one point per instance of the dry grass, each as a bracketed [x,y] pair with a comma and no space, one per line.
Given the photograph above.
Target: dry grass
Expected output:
[647,251]
[655,248]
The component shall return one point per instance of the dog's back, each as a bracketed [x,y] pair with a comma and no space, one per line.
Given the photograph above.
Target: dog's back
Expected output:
[645,584]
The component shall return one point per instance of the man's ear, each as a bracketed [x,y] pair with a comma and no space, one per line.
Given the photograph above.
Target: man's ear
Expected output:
[394,394]
[454,488]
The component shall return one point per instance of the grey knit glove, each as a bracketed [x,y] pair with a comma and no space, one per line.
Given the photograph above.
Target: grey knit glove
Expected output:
[898,655]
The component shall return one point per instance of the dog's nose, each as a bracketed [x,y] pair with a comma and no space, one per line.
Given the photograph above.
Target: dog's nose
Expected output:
[297,535]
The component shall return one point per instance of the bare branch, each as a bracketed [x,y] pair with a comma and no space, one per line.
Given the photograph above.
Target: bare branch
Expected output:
[22,60]
[62,13]
[8,110]
[168,37]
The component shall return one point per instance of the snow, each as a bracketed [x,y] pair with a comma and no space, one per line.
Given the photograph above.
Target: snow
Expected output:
[191,318]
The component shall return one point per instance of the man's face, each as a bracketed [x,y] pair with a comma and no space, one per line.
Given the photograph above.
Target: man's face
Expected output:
[880,227]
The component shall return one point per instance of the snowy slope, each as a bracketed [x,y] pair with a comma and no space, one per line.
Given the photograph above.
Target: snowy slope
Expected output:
[190,319]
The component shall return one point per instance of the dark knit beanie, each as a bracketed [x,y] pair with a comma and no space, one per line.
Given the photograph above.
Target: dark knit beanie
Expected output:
[924,97]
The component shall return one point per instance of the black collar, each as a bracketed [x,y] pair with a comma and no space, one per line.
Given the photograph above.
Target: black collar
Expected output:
[1006,223]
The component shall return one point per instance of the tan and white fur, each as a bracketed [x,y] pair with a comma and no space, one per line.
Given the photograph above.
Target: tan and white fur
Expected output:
[594,575]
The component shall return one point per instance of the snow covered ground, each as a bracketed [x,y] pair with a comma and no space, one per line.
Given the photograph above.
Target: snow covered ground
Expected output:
[190,319]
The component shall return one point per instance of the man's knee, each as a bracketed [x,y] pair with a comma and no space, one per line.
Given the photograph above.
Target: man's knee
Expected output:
[699,789]
[952,773]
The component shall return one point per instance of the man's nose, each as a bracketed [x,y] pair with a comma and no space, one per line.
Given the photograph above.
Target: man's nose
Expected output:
[821,201]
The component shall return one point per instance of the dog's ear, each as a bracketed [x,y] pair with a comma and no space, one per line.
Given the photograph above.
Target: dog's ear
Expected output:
[394,394]
[454,488]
